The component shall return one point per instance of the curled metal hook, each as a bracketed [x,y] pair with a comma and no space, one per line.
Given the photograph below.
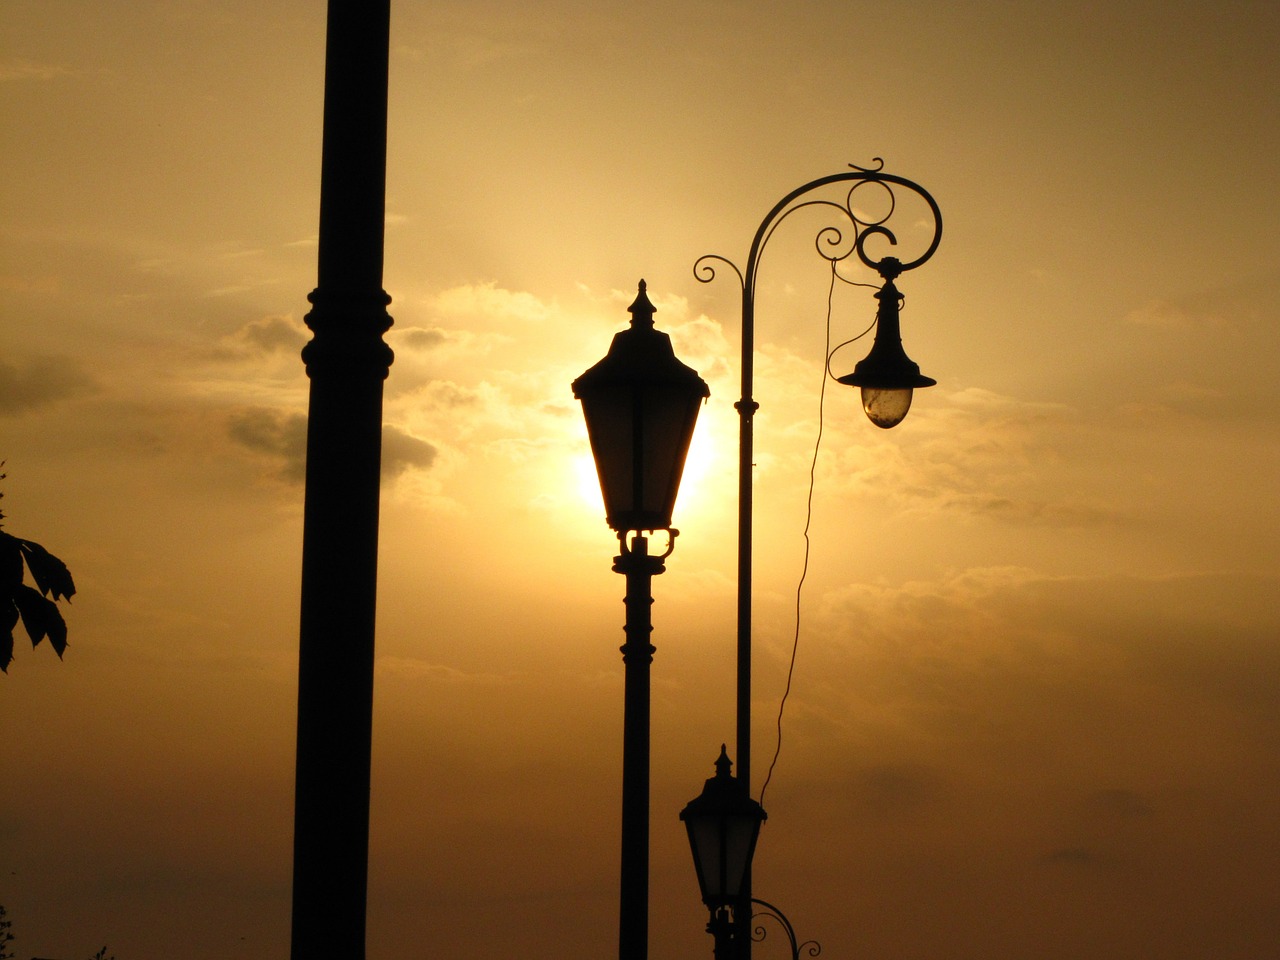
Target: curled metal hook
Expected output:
[704,268]
[810,948]
[627,546]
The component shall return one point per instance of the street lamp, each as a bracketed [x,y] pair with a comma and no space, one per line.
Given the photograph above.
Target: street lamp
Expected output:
[723,824]
[640,404]
[887,377]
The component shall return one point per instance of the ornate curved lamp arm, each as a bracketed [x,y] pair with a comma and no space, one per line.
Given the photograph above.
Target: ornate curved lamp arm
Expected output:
[862,229]
[809,948]
[831,241]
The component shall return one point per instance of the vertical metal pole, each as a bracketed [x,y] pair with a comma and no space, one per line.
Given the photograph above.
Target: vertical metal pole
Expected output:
[347,361]
[746,408]
[637,654]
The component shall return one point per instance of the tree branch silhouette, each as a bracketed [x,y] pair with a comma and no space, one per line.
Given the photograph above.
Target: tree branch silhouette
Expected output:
[36,606]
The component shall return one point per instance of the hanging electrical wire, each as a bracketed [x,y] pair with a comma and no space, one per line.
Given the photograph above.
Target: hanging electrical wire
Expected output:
[829,352]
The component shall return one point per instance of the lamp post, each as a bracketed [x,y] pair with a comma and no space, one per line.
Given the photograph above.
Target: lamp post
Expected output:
[887,378]
[723,824]
[640,404]
[347,361]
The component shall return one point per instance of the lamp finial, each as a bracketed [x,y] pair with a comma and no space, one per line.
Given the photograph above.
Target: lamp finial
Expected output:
[642,310]
[723,763]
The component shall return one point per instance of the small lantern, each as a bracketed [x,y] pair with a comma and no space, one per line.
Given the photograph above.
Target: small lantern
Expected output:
[640,404]
[723,824]
[887,375]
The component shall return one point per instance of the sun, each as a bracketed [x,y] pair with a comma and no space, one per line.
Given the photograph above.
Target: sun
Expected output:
[588,482]
[699,468]
[701,486]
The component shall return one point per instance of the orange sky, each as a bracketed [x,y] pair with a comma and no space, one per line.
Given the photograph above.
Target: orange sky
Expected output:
[1034,712]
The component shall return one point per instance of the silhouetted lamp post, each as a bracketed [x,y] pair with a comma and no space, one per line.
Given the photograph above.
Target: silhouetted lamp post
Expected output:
[887,378]
[640,405]
[723,824]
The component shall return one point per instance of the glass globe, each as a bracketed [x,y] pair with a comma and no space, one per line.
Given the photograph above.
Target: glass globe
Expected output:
[884,407]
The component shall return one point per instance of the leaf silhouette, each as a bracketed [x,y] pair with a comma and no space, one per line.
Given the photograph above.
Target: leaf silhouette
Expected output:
[57,630]
[10,563]
[50,573]
[34,617]
[41,618]
[36,606]
[8,618]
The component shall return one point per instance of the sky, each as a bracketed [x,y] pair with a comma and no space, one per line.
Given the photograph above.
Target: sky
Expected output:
[1035,708]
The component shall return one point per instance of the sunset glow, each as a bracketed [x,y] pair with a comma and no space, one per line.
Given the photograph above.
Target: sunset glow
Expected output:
[1033,712]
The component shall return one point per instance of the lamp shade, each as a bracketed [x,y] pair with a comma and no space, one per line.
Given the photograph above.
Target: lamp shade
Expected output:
[887,375]
[723,824]
[640,404]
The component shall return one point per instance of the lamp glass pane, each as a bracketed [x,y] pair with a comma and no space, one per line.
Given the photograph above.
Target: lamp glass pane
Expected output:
[722,848]
[886,408]
[739,840]
[704,837]
[670,412]
[610,422]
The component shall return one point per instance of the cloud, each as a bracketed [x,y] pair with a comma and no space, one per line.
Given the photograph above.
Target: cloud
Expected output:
[427,353]
[402,451]
[1090,725]
[978,453]
[271,334]
[22,69]
[1104,828]
[476,41]
[1119,804]
[1199,353]
[417,338]
[414,668]
[448,396]
[1165,315]
[281,437]
[40,382]
[701,344]
[490,303]
[1244,306]
[1034,512]
[1065,659]
[278,337]
[884,789]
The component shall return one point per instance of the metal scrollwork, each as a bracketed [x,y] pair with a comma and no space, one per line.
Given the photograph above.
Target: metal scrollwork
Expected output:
[839,240]
[810,948]
[627,543]
[704,269]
